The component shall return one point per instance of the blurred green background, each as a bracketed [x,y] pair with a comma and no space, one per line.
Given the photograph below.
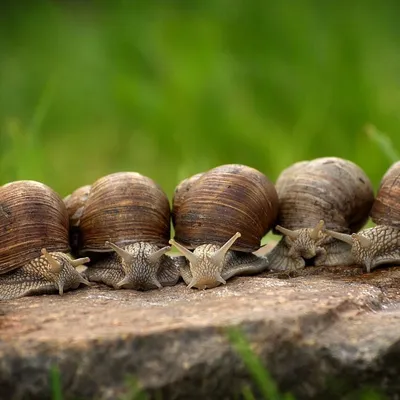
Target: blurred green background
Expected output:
[170,88]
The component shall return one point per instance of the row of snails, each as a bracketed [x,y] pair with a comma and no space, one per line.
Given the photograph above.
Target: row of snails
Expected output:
[323,205]
[120,227]
[128,216]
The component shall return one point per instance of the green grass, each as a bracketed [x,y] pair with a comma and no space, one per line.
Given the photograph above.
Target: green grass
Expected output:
[173,88]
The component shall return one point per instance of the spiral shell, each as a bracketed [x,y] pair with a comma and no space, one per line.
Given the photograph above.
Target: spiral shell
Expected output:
[124,208]
[328,188]
[225,200]
[32,216]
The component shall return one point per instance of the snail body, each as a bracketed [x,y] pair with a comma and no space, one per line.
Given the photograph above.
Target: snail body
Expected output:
[124,218]
[220,217]
[34,250]
[327,193]
[379,245]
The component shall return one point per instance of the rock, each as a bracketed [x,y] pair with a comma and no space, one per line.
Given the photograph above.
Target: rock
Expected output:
[320,334]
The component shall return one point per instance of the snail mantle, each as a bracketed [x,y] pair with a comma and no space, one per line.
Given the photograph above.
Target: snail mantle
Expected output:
[321,333]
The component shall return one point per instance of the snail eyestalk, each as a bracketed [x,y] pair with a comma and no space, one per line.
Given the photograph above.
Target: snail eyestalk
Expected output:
[154,257]
[127,257]
[341,236]
[219,255]
[79,261]
[54,264]
[362,240]
[187,253]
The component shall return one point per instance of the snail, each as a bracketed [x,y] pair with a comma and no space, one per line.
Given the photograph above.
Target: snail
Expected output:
[379,245]
[124,219]
[34,247]
[327,193]
[220,217]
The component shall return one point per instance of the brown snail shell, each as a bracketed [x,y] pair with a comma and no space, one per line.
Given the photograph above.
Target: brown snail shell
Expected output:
[223,214]
[34,242]
[379,245]
[325,193]
[225,200]
[32,217]
[123,208]
[328,188]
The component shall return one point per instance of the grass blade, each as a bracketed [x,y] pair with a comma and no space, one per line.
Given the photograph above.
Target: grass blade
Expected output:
[55,381]
[384,143]
[134,391]
[247,393]
[259,374]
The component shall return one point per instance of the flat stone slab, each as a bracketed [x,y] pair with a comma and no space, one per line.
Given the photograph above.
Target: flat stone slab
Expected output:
[320,334]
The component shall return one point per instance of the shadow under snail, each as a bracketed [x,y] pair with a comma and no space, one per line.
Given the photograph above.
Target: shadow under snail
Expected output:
[34,246]
[220,217]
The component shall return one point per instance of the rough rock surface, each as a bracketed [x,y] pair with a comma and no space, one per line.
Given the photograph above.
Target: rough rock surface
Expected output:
[321,334]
